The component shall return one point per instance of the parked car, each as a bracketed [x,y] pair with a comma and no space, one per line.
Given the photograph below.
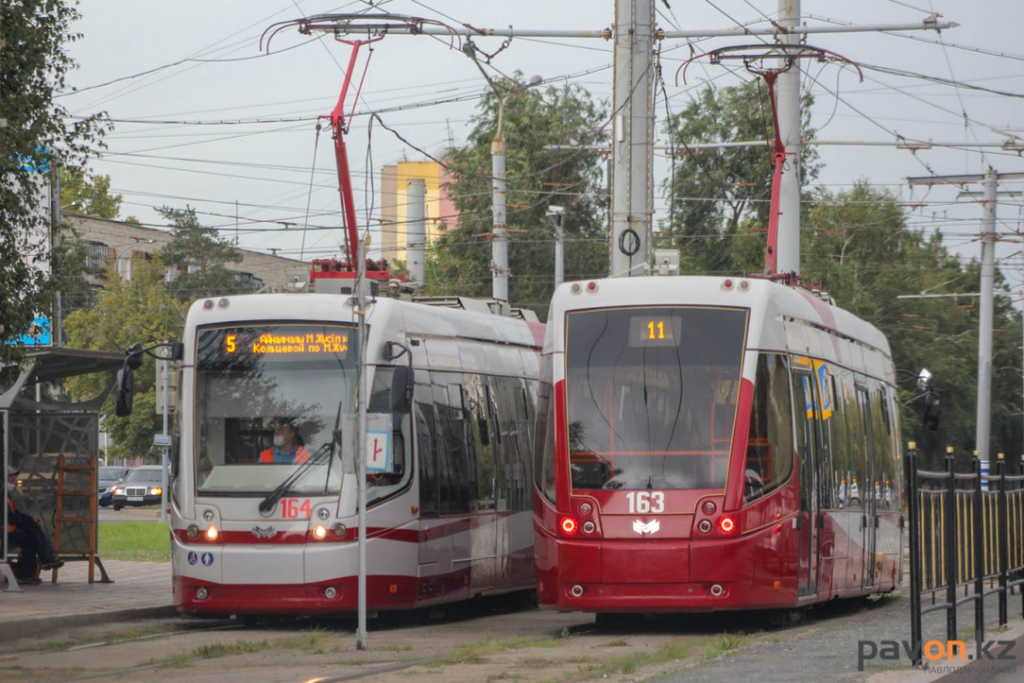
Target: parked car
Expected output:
[107,479]
[142,486]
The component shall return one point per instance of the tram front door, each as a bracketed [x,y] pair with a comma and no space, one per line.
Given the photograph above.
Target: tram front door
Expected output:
[808,446]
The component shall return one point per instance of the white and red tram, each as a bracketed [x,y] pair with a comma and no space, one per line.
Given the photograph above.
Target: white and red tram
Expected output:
[266,380]
[709,443]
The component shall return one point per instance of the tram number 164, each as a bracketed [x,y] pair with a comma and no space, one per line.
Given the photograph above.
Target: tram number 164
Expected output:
[643,502]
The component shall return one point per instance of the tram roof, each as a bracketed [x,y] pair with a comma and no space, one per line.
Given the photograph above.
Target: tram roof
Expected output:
[769,299]
[391,316]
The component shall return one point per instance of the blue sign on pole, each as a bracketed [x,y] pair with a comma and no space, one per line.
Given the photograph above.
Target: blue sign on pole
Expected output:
[37,335]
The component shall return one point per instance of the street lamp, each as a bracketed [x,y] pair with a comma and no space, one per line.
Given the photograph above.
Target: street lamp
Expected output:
[499,236]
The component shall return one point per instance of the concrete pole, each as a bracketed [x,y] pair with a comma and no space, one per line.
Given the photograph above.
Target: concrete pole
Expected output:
[788,103]
[988,273]
[499,238]
[632,137]
[557,215]
[416,230]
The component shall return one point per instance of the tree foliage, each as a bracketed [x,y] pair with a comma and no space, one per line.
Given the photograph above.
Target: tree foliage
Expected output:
[89,195]
[199,253]
[718,192]
[128,311]
[39,133]
[459,262]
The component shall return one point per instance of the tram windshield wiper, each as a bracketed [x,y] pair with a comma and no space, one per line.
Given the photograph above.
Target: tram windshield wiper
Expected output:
[268,503]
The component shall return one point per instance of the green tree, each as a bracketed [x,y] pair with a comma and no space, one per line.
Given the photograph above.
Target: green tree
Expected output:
[139,310]
[89,195]
[537,178]
[857,246]
[199,254]
[39,132]
[717,193]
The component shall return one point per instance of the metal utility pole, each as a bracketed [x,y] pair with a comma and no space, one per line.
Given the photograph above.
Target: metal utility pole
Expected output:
[988,199]
[165,451]
[557,216]
[788,104]
[57,331]
[416,230]
[632,137]
[362,395]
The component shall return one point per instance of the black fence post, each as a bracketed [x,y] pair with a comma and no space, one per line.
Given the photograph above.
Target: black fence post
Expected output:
[950,549]
[914,519]
[979,555]
[1004,537]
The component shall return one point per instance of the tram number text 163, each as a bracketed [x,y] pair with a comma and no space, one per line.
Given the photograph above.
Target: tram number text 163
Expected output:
[296,508]
[643,502]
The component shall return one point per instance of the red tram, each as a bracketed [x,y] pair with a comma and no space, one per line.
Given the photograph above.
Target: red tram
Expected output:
[713,444]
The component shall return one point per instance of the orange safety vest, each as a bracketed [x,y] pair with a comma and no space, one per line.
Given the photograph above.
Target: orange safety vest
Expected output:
[301,455]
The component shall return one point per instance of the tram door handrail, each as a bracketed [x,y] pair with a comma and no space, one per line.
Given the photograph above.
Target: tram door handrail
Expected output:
[965,543]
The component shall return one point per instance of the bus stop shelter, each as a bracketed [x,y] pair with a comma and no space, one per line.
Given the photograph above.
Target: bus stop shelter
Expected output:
[53,442]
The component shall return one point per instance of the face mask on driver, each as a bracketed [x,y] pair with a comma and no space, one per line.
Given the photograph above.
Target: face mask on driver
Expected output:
[278,440]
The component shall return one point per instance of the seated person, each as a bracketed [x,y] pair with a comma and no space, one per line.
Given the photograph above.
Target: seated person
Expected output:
[287,448]
[26,531]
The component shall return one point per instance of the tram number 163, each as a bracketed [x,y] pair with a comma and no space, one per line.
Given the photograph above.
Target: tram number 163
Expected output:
[643,502]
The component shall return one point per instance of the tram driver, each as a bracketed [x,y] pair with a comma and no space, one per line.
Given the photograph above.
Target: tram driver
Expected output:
[287,447]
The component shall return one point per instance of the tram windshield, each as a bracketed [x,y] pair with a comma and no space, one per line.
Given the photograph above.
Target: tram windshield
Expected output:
[268,398]
[652,396]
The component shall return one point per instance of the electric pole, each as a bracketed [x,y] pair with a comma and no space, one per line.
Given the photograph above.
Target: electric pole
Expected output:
[632,137]
[988,199]
[788,104]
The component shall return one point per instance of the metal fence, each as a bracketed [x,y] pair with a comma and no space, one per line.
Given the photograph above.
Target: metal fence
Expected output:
[965,542]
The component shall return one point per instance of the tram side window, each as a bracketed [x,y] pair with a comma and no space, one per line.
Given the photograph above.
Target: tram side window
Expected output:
[840,441]
[543,443]
[770,446]
[454,472]
[512,427]
[803,406]
[855,457]
[884,474]
[426,438]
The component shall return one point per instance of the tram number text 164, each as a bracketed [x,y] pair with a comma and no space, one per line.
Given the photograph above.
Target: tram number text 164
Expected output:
[643,502]
[296,508]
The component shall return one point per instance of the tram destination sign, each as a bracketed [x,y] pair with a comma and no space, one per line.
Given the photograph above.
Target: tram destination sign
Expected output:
[279,343]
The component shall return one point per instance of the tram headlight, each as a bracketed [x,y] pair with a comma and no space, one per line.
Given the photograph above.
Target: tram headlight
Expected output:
[192,531]
[340,529]
[319,532]
[568,526]
[211,533]
[589,527]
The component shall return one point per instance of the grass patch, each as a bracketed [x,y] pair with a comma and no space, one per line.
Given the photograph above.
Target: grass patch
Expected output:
[476,653]
[135,541]
[632,662]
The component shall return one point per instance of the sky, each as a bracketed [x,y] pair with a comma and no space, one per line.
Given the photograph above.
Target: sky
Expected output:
[177,139]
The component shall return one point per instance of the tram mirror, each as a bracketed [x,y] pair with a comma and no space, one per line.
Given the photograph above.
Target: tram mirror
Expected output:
[401,389]
[125,392]
[924,379]
[134,356]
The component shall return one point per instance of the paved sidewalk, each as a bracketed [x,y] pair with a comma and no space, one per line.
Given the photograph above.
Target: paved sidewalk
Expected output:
[140,589]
